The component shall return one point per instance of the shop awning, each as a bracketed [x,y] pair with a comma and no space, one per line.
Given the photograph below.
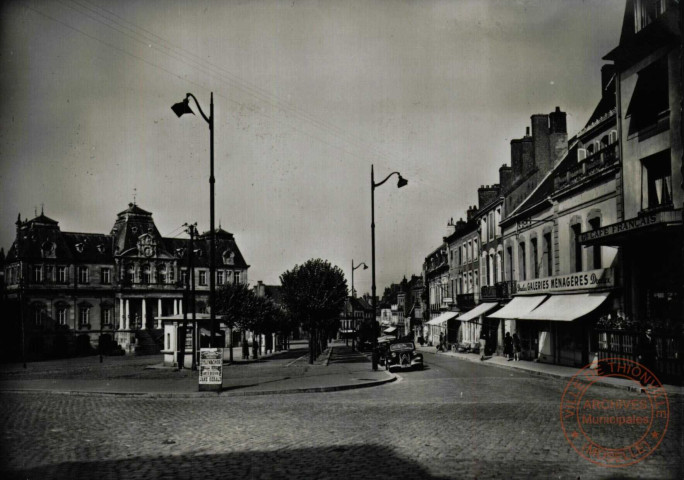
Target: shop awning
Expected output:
[566,308]
[390,330]
[481,309]
[519,306]
[442,318]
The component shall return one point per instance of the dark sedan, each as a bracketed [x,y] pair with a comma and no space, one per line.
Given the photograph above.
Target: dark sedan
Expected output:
[403,355]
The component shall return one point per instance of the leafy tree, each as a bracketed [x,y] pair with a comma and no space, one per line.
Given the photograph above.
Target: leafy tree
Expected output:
[238,304]
[315,293]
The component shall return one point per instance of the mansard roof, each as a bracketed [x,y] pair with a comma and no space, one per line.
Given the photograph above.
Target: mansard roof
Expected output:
[41,238]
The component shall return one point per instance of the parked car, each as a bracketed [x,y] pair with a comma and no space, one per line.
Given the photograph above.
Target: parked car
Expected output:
[403,355]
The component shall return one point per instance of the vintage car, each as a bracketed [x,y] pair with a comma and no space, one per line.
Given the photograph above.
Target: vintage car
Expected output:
[403,355]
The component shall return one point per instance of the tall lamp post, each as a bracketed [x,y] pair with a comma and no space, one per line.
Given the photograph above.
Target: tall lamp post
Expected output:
[180,109]
[402,182]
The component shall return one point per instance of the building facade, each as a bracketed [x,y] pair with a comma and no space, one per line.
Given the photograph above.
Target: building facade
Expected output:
[90,285]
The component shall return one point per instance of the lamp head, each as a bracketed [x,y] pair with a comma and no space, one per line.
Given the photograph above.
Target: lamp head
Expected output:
[182,108]
[402,182]
[365,267]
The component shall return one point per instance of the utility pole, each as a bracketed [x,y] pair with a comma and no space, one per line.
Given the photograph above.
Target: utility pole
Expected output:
[190,278]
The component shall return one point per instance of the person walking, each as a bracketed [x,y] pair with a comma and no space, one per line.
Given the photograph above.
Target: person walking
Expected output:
[517,347]
[508,346]
[483,343]
[440,347]
[648,352]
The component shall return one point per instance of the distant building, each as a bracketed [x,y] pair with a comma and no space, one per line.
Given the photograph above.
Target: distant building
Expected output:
[79,287]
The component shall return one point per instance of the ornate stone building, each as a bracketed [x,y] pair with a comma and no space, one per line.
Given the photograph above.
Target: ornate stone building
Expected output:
[72,289]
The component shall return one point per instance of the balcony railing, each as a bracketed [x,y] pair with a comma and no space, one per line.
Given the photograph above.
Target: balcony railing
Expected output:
[465,300]
[604,158]
[501,290]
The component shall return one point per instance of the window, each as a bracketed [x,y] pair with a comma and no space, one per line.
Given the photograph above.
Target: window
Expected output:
[220,277]
[62,315]
[84,315]
[490,224]
[575,247]
[82,274]
[236,277]
[146,275]
[522,263]
[534,258]
[595,224]
[49,272]
[650,98]
[107,316]
[62,274]
[656,188]
[509,260]
[161,274]
[172,276]
[646,11]
[203,277]
[38,273]
[106,275]
[548,254]
[38,314]
[184,276]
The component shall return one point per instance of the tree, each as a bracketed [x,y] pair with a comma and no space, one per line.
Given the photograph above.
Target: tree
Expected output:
[315,293]
[237,303]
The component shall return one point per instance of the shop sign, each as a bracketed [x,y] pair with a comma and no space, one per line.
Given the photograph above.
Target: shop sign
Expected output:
[622,227]
[211,366]
[601,278]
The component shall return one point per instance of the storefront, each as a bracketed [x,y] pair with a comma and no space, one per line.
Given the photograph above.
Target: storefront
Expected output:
[527,331]
[474,325]
[555,316]
[446,325]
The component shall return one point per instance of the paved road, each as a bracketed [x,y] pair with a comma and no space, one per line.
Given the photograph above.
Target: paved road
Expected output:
[455,419]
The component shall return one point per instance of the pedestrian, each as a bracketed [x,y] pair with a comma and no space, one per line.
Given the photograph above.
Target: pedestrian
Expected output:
[647,353]
[255,348]
[440,347]
[483,343]
[508,346]
[517,347]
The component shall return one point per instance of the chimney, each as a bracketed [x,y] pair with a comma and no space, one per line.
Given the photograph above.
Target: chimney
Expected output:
[516,158]
[558,138]
[450,229]
[471,212]
[487,193]
[505,177]
[527,155]
[558,121]
[540,137]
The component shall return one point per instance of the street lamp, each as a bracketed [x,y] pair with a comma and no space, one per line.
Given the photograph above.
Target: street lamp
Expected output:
[365,267]
[402,182]
[180,109]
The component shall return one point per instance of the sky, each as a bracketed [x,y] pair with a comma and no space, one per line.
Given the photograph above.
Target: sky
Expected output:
[307,96]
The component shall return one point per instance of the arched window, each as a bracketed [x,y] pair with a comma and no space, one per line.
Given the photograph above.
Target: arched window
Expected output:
[161,274]
[146,275]
[39,311]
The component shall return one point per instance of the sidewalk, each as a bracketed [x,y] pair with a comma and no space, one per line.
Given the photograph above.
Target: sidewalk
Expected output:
[548,370]
[338,368]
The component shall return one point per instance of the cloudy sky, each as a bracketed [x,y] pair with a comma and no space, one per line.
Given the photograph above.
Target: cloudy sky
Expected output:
[308,94]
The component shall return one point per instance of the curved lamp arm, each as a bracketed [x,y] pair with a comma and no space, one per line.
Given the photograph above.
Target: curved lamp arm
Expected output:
[362,264]
[206,119]
[402,181]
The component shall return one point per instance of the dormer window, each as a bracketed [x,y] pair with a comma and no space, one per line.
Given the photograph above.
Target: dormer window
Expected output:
[647,11]
[79,247]
[101,248]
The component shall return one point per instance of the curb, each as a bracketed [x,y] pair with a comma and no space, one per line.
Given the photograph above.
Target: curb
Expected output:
[629,388]
[334,388]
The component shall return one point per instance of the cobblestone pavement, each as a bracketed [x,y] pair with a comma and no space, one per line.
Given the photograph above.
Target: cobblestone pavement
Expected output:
[455,419]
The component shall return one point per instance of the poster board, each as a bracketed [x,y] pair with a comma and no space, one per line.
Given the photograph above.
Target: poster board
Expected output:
[211,369]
